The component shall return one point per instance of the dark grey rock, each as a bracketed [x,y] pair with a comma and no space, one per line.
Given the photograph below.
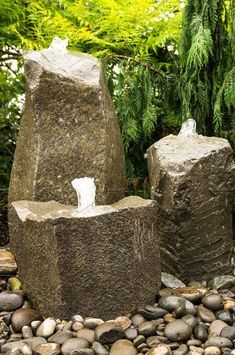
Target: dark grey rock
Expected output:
[218,341]
[178,330]
[96,239]
[171,281]
[225,316]
[192,178]
[108,333]
[69,130]
[147,328]
[10,301]
[213,301]
[170,303]
[152,312]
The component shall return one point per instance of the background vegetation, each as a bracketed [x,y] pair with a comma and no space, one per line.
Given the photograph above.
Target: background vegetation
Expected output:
[165,61]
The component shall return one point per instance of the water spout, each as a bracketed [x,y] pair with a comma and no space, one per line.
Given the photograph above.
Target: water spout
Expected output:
[85,189]
[59,45]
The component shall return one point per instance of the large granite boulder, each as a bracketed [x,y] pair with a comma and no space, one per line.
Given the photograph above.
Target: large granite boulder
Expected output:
[103,262]
[69,130]
[192,179]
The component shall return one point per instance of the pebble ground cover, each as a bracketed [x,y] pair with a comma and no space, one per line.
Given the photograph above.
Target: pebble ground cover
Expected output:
[195,319]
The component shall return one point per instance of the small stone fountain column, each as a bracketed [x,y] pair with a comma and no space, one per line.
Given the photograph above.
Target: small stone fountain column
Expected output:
[100,261]
[193,181]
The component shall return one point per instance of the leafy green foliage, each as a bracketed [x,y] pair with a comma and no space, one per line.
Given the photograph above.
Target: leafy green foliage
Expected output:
[207,49]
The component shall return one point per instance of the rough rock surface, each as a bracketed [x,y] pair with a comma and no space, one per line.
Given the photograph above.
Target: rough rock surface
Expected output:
[69,130]
[105,263]
[193,179]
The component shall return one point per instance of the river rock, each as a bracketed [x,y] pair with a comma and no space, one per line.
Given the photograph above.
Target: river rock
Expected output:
[181,350]
[73,344]
[152,312]
[170,303]
[192,179]
[137,319]
[92,323]
[69,130]
[213,301]
[191,320]
[48,349]
[108,333]
[147,328]
[223,282]
[60,337]
[228,332]
[10,301]
[192,294]
[24,316]
[87,334]
[8,264]
[178,330]
[171,281]
[218,341]
[225,316]
[99,349]
[94,237]
[212,350]
[161,349]
[131,333]
[46,328]
[124,347]
[205,314]
[216,326]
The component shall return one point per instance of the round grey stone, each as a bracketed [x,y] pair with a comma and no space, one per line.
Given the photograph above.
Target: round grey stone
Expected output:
[137,319]
[213,302]
[170,303]
[153,341]
[228,332]
[73,344]
[147,328]
[191,320]
[131,333]
[218,341]
[10,301]
[178,330]
[205,314]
